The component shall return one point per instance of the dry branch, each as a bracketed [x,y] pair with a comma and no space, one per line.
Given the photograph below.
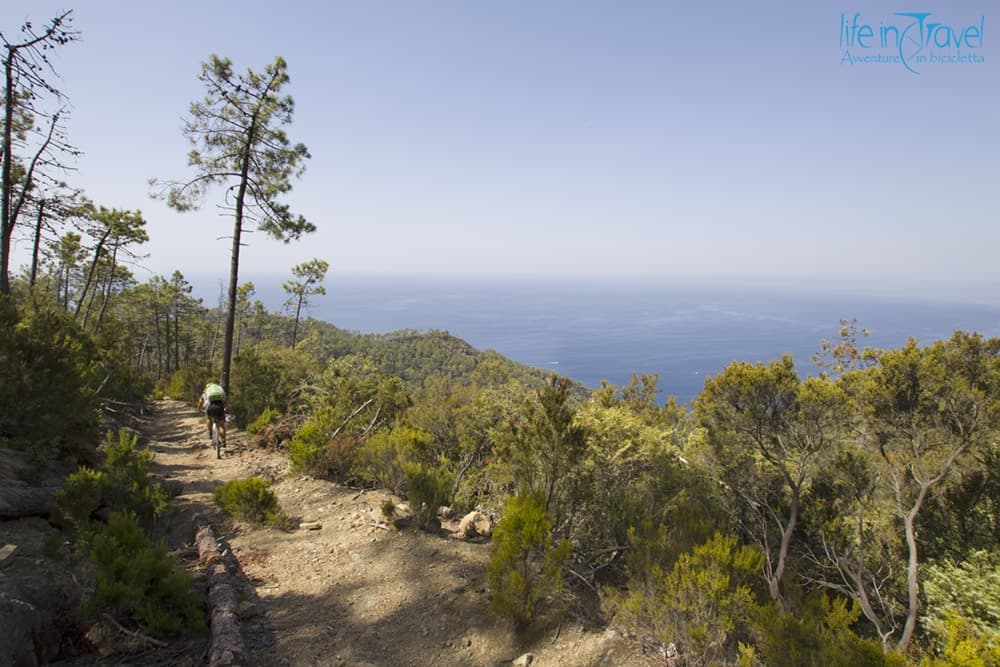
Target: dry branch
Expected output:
[135,634]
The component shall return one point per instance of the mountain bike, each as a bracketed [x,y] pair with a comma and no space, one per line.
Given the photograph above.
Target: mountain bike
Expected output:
[216,439]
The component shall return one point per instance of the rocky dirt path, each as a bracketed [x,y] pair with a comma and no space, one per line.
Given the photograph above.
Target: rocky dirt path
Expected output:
[354,591]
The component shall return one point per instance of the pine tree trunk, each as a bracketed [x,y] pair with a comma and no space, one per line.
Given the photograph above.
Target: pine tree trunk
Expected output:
[6,181]
[90,274]
[36,243]
[295,327]
[234,267]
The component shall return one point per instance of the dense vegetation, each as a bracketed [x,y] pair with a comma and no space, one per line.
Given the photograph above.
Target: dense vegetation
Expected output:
[848,518]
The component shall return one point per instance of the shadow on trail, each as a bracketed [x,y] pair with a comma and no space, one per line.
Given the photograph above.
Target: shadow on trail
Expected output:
[350,622]
[173,434]
[182,474]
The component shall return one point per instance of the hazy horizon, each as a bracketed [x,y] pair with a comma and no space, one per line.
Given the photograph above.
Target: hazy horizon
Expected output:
[208,285]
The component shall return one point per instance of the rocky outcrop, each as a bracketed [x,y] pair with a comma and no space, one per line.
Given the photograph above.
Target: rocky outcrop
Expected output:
[36,594]
[20,502]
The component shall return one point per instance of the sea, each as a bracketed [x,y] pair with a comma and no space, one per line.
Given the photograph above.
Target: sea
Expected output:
[592,331]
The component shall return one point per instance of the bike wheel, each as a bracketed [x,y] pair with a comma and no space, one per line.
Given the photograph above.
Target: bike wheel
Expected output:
[216,440]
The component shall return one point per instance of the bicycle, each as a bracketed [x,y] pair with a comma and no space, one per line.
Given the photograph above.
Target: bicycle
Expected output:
[216,439]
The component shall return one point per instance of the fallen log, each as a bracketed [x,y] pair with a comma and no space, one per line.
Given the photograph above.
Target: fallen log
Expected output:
[226,645]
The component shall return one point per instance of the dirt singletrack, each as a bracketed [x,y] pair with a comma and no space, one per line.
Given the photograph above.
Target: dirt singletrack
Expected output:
[356,591]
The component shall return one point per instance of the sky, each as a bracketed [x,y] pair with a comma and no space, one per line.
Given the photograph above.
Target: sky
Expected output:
[662,142]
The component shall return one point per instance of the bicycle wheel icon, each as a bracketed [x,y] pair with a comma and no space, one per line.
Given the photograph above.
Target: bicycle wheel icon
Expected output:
[911,41]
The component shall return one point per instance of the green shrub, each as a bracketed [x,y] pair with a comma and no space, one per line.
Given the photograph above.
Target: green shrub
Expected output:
[525,566]
[321,448]
[265,378]
[958,643]
[137,580]
[311,438]
[698,605]
[427,489]
[120,484]
[127,468]
[336,460]
[817,632]
[969,590]
[49,376]
[81,494]
[186,383]
[266,418]
[249,500]
[388,509]
[383,457]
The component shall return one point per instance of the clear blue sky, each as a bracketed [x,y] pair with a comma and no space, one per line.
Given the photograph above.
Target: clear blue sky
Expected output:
[662,141]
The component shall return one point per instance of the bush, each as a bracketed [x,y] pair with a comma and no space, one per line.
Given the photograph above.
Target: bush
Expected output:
[960,644]
[698,605]
[266,418]
[266,378]
[138,580]
[427,490]
[127,469]
[321,448]
[48,380]
[969,590]
[82,493]
[187,383]
[120,484]
[525,566]
[311,438]
[336,460]
[249,500]
[384,456]
[135,580]
[818,632]
[388,509]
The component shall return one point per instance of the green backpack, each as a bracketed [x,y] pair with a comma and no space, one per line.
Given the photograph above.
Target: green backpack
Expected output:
[214,392]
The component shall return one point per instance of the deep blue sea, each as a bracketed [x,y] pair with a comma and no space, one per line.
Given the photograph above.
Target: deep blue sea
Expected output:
[591,332]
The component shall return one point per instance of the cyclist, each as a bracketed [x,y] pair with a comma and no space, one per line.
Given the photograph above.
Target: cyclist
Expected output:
[213,402]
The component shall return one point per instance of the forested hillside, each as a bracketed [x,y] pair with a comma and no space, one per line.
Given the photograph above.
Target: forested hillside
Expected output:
[852,518]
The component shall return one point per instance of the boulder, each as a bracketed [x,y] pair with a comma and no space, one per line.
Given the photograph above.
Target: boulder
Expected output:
[475,524]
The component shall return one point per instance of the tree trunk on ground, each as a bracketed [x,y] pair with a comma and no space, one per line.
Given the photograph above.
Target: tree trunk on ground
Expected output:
[226,647]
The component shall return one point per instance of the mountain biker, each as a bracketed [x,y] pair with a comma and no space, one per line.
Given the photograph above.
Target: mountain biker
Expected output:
[213,402]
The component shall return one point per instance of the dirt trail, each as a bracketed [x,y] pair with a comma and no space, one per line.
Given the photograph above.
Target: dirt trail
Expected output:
[354,592]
